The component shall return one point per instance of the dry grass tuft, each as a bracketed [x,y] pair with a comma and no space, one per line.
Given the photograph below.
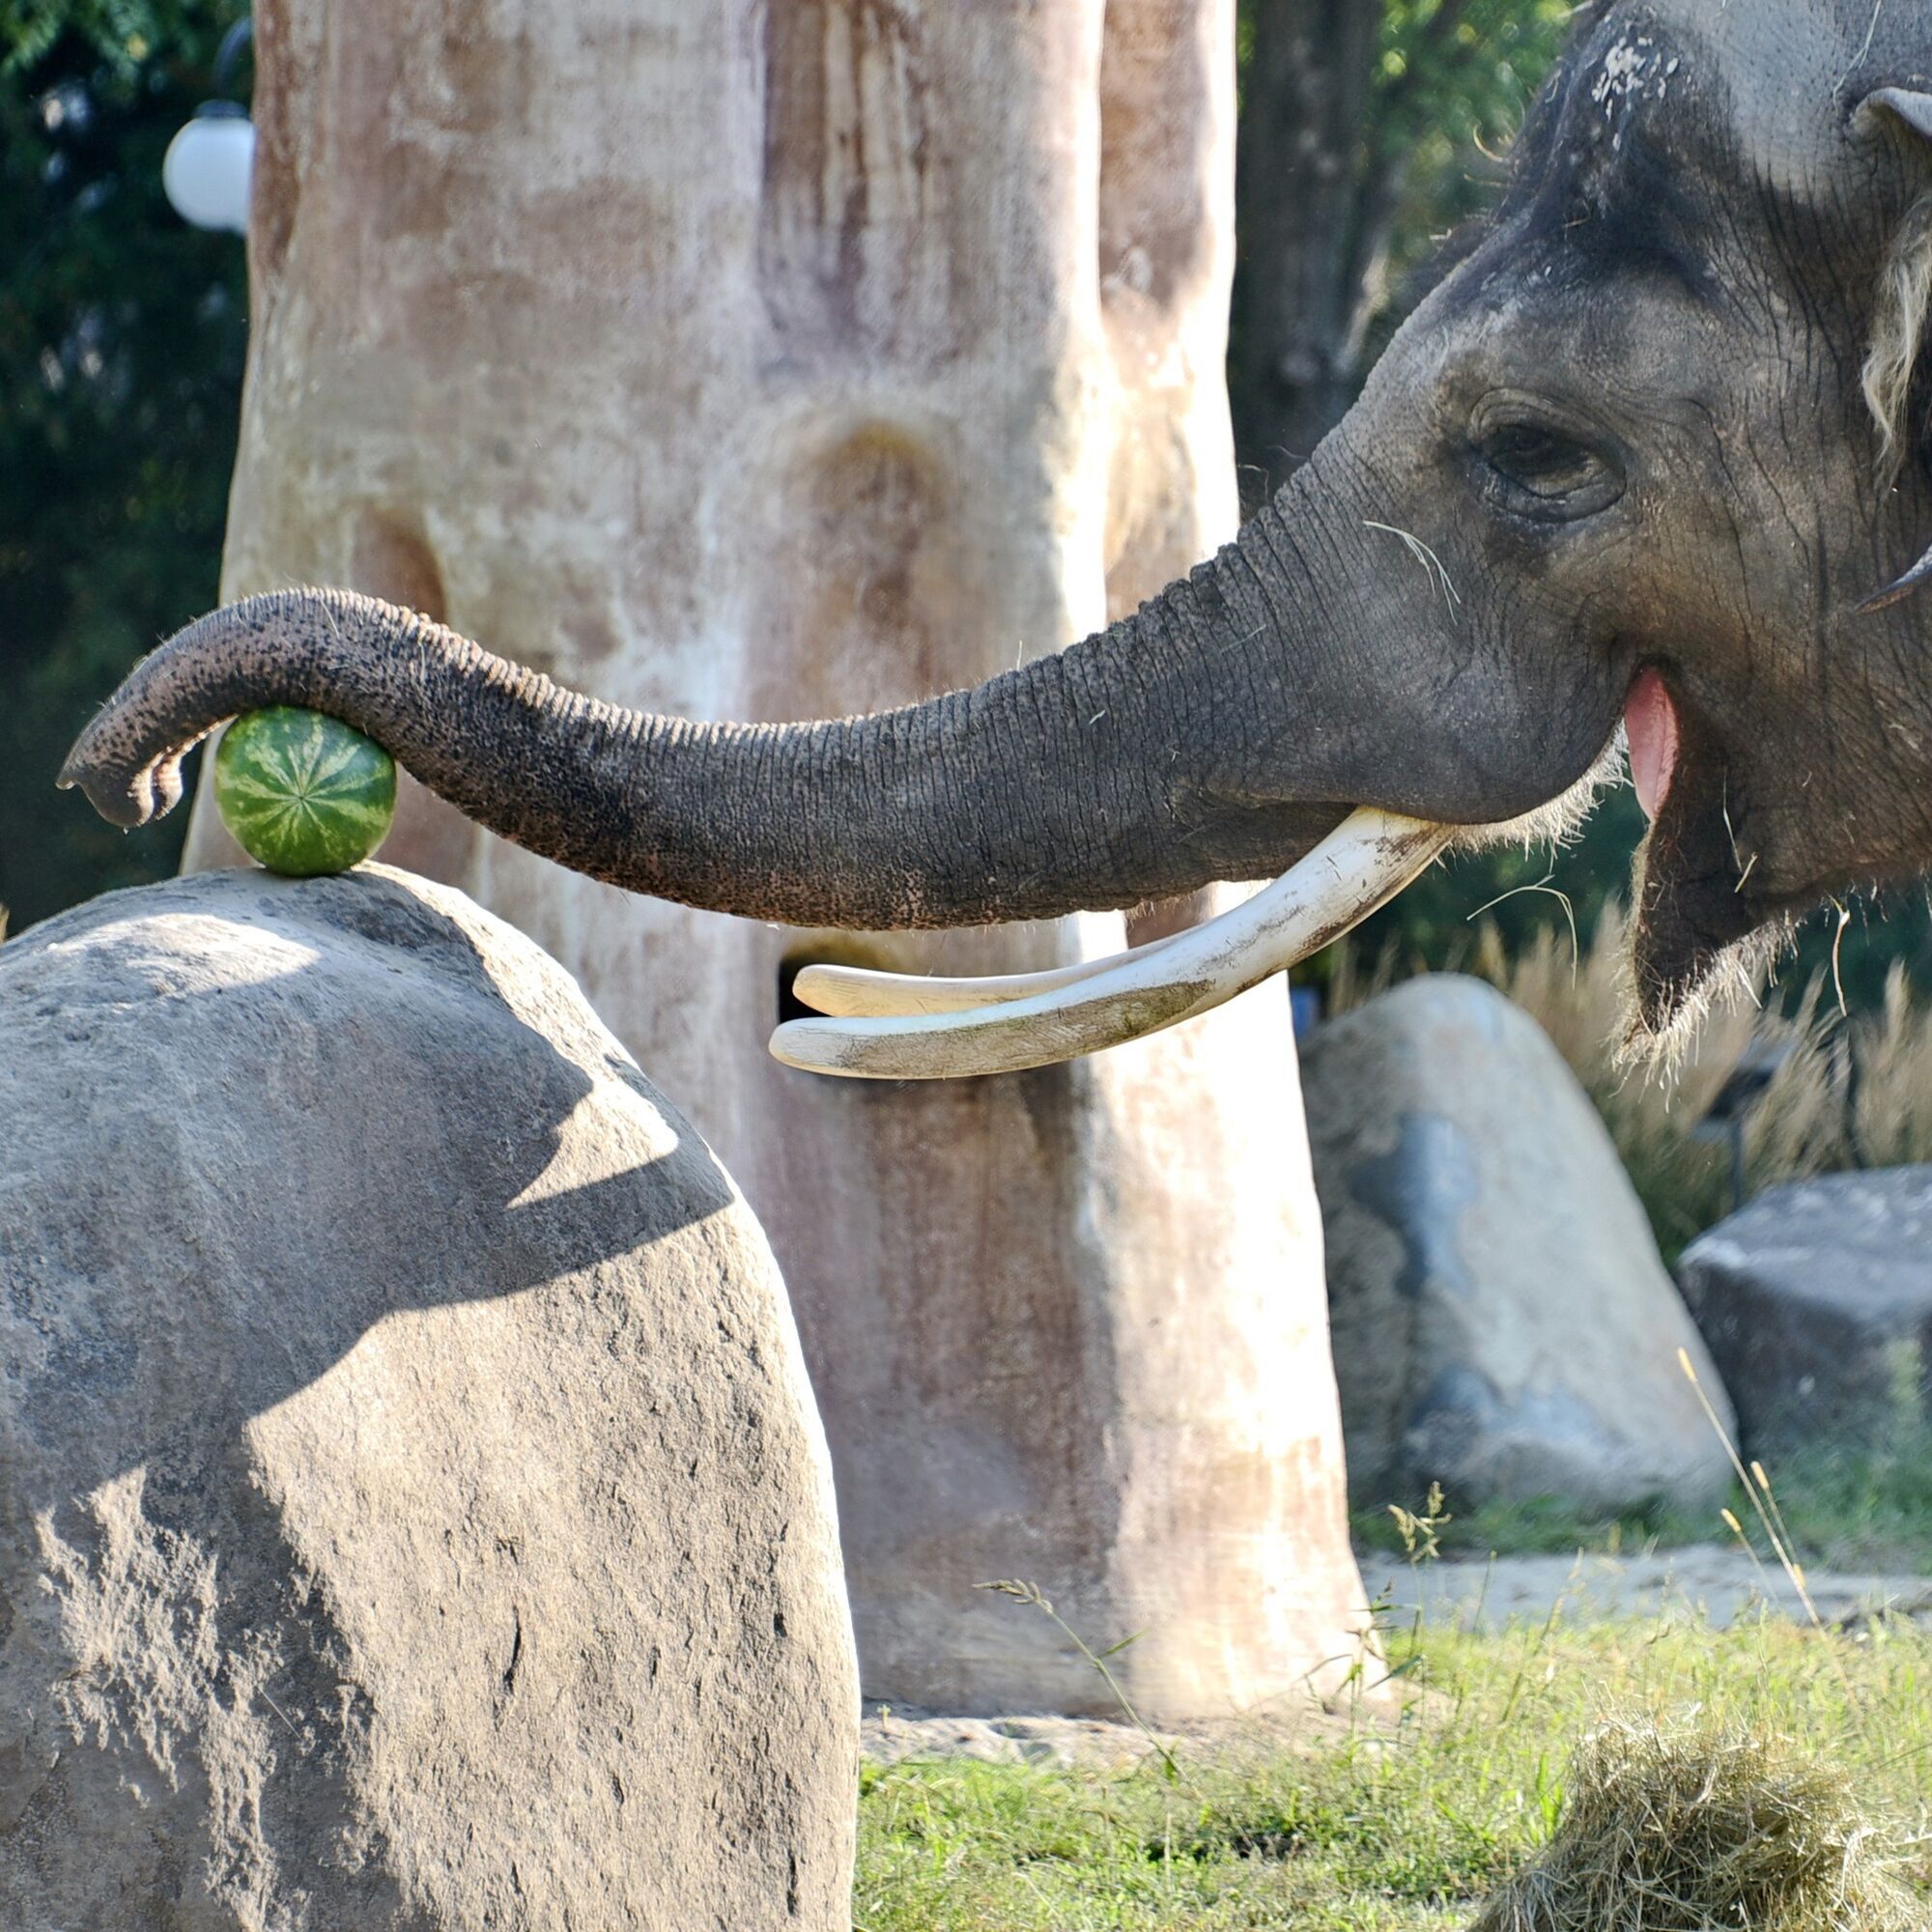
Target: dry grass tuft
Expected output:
[1704,1829]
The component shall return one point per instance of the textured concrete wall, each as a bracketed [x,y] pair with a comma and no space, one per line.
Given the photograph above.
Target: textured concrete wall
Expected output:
[768,361]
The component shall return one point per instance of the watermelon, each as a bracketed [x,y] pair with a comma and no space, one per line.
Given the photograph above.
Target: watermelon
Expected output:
[303,793]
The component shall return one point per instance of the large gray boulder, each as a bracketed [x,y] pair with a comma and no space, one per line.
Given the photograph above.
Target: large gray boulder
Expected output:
[1502,1322]
[413,1513]
[1816,1300]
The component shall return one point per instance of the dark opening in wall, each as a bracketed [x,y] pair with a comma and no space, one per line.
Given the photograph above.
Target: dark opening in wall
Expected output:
[790,1005]
[825,949]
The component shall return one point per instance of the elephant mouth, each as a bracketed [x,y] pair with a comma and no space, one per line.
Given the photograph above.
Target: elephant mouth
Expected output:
[1696,902]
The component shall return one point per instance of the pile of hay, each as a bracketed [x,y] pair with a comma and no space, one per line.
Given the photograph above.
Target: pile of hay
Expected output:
[1696,1830]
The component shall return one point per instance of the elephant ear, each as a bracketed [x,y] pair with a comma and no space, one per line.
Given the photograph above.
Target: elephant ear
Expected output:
[1903,322]
[1908,107]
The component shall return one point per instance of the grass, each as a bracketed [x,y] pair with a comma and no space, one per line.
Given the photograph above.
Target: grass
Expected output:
[1560,1776]
[1547,1527]
[1852,1505]
[1388,1825]
[1868,1507]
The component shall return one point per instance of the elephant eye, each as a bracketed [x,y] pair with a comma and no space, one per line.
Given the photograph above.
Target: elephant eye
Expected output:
[1539,460]
[1539,471]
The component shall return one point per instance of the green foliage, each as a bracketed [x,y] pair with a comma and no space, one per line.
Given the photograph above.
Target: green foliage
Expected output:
[1858,1506]
[1539,1527]
[1517,890]
[122,337]
[1522,893]
[1380,1826]
[1456,79]
[1865,1504]
[125,33]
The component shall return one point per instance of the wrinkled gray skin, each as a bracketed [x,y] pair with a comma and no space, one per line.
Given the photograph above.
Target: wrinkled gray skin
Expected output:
[1629,425]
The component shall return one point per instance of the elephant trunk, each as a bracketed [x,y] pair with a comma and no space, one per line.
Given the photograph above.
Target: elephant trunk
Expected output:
[1060,787]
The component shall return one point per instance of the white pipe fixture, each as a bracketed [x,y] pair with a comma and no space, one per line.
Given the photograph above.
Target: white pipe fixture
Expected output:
[209,169]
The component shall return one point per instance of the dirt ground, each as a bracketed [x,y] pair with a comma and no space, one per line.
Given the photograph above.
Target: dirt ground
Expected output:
[1706,1581]
[1715,1581]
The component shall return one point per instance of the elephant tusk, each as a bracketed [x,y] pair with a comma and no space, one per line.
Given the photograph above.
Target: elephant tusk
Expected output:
[1915,578]
[1359,866]
[860,992]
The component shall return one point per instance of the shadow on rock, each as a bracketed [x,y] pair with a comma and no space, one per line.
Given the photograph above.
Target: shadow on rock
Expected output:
[407,1470]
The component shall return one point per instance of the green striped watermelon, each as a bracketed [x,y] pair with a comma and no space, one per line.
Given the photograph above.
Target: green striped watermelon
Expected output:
[303,793]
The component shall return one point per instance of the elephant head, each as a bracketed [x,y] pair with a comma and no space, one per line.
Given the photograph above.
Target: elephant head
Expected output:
[1653,454]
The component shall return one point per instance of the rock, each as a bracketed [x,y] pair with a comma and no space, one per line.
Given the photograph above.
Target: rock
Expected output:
[413,1513]
[1502,1322]
[1816,1300]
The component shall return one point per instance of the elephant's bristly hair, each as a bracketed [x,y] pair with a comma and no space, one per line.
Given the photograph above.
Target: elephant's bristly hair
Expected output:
[1900,332]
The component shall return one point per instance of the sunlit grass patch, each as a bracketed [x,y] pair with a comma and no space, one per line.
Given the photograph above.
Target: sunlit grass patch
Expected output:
[1389,1824]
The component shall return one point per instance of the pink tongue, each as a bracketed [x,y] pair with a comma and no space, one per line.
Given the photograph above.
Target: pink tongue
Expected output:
[1650,720]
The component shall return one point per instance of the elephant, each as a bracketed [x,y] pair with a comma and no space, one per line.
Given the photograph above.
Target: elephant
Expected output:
[1647,468]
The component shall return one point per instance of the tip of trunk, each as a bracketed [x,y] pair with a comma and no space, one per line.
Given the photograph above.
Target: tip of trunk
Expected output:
[126,793]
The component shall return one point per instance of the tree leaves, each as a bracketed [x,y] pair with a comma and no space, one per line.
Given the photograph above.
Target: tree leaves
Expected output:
[123,34]
[122,337]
